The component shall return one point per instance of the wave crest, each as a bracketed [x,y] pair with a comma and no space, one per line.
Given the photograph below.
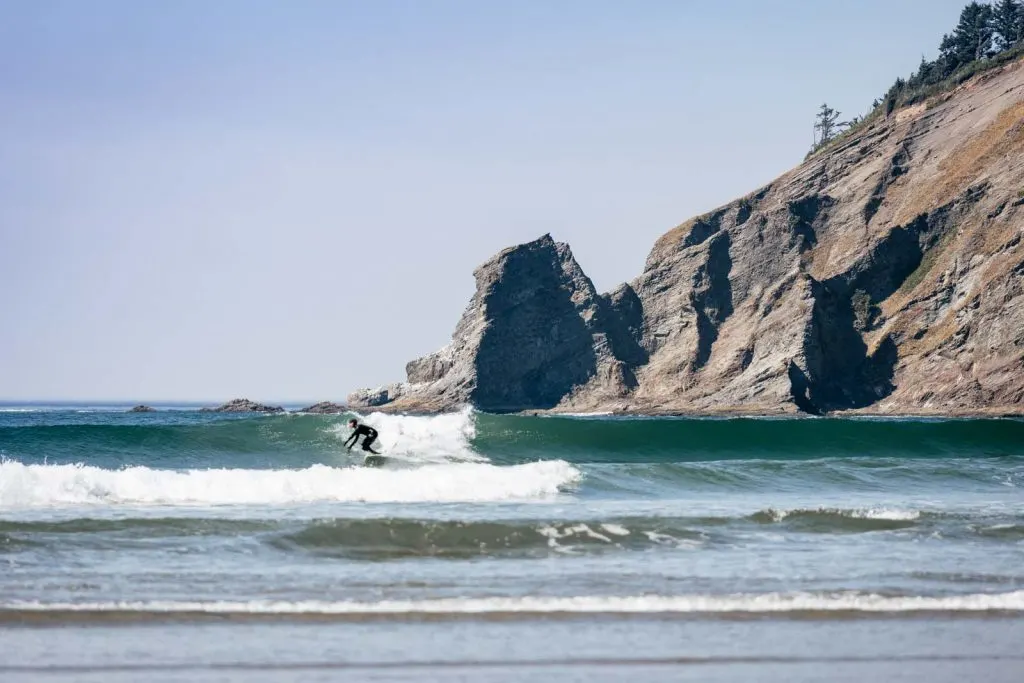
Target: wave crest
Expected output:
[423,439]
[794,604]
[383,539]
[24,485]
[838,519]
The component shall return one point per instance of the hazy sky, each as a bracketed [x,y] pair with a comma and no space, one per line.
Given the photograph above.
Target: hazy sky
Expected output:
[286,200]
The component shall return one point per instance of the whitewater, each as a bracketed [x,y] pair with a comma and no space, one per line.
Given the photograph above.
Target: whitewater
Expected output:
[265,526]
[430,460]
[46,485]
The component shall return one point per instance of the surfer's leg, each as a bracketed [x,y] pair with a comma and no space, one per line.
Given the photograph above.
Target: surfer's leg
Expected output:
[367,440]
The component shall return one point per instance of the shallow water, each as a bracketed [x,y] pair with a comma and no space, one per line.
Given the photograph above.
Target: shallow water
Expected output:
[504,547]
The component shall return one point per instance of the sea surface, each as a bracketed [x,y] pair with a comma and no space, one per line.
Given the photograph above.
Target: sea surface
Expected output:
[188,546]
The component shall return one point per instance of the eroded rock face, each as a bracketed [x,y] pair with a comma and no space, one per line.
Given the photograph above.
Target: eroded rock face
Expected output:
[244,405]
[885,275]
[534,332]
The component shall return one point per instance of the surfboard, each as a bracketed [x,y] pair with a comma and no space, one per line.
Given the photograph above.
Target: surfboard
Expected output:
[374,461]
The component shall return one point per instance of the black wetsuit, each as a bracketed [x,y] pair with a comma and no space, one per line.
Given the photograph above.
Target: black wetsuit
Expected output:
[369,435]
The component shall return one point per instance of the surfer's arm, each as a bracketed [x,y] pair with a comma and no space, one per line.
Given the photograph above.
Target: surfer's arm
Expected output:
[352,439]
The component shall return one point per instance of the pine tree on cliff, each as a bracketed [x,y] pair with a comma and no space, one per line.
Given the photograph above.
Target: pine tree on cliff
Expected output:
[826,125]
[1020,23]
[893,96]
[972,38]
[1008,22]
[924,75]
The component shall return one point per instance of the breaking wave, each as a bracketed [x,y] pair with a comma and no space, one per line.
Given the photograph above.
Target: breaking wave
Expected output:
[185,439]
[436,438]
[793,604]
[293,440]
[187,457]
[38,485]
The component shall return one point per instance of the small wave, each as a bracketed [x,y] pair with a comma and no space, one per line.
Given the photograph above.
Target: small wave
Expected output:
[793,604]
[380,539]
[384,539]
[375,539]
[837,519]
[1005,532]
[44,485]
[771,514]
[142,527]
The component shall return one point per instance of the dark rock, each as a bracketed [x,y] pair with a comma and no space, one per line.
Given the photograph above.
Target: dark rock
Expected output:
[244,405]
[325,408]
[534,331]
[142,409]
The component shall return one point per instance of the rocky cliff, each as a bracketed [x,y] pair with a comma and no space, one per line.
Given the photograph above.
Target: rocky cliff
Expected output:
[884,275]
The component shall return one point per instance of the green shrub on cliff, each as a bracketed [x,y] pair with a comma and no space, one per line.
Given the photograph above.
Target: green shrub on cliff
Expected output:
[985,37]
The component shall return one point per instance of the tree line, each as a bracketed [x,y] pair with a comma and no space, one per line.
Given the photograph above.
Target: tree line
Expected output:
[986,35]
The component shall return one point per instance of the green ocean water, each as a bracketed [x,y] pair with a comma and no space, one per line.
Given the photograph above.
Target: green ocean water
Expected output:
[183,437]
[110,520]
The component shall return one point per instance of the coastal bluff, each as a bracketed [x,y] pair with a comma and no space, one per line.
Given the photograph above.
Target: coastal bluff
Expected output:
[884,275]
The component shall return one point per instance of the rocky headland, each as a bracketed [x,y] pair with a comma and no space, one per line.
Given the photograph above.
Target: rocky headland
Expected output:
[884,275]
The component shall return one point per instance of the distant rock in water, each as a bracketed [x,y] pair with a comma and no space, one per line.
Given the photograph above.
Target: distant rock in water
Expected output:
[883,275]
[325,408]
[142,409]
[244,405]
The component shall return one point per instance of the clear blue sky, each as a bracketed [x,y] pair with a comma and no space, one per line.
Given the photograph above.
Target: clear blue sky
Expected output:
[286,200]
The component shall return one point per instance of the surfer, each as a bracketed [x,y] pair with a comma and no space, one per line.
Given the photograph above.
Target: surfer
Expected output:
[368,433]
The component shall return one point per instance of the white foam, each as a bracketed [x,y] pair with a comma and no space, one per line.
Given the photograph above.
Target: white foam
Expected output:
[46,485]
[434,438]
[765,603]
[554,534]
[885,513]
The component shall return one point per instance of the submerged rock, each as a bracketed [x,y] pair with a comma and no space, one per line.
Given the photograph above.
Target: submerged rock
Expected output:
[244,405]
[883,275]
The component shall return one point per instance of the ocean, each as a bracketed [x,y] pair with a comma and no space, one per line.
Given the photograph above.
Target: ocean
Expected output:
[188,546]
